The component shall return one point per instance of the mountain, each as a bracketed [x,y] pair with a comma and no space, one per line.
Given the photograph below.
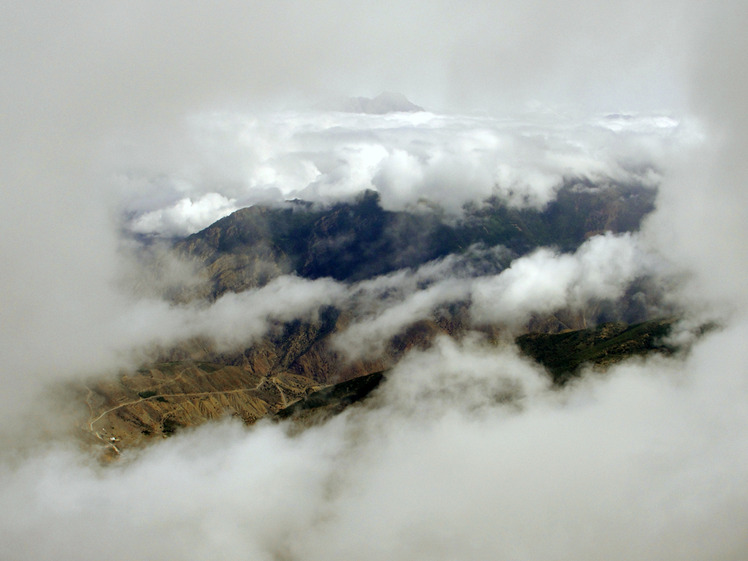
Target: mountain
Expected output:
[293,374]
[353,241]
[386,102]
[562,354]
[192,383]
[295,370]
[331,400]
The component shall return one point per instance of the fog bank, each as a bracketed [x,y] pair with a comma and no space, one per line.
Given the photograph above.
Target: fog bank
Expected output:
[465,453]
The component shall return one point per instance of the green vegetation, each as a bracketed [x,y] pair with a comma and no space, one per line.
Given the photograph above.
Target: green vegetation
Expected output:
[335,398]
[169,426]
[563,354]
[209,366]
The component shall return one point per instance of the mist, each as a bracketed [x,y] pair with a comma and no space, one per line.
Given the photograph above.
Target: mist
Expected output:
[411,159]
[159,119]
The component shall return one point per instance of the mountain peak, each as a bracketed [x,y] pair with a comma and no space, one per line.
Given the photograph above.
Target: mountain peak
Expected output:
[385,102]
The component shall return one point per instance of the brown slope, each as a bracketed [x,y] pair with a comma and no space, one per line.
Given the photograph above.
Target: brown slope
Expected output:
[290,365]
[191,384]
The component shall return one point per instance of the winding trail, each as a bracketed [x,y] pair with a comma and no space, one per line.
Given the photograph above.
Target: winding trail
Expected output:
[276,383]
[92,421]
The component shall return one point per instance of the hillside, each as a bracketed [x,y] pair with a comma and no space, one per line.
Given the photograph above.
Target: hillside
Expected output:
[360,240]
[564,354]
[294,373]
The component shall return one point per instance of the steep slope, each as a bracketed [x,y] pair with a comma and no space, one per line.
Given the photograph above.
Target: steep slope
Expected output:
[293,373]
[158,400]
[360,240]
[192,383]
[331,400]
[562,354]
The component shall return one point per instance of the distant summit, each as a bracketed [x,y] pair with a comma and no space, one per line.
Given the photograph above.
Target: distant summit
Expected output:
[386,102]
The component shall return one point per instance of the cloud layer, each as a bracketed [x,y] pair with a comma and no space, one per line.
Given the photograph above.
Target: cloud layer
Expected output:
[642,464]
[648,462]
[235,160]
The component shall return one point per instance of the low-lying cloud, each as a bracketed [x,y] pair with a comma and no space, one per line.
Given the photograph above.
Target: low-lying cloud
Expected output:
[545,281]
[185,216]
[498,291]
[644,462]
[409,158]
[464,453]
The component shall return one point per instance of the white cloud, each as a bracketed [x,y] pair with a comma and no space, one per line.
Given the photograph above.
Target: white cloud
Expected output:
[648,463]
[185,216]
[368,336]
[239,159]
[546,281]
[384,306]
[233,321]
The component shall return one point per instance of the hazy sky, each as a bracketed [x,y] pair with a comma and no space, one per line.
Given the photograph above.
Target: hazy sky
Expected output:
[138,60]
[99,108]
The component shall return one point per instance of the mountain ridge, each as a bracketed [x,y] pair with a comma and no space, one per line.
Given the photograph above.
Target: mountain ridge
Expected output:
[355,241]
[358,240]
